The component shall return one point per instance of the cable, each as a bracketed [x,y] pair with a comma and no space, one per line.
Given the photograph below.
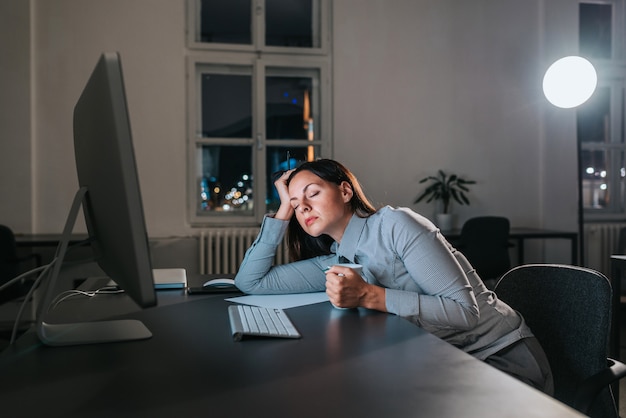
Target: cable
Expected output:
[27,297]
[58,299]
[45,266]
[22,276]
[43,270]
[106,290]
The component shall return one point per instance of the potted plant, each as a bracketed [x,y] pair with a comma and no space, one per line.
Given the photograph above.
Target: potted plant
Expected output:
[445,188]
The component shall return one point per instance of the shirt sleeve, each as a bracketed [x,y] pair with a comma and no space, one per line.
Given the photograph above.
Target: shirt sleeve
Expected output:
[444,298]
[258,275]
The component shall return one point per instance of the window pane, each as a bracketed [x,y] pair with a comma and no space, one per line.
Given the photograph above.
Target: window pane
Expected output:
[290,23]
[276,160]
[596,190]
[593,118]
[289,107]
[595,30]
[226,106]
[226,179]
[226,21]
[622,175]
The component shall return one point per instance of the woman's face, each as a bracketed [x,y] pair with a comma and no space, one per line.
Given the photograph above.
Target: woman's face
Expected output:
[321,207]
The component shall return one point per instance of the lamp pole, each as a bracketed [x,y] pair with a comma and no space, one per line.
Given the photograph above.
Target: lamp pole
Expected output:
[581,213]
[568,83]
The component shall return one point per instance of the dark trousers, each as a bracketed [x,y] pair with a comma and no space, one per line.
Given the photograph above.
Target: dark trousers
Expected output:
[526,361]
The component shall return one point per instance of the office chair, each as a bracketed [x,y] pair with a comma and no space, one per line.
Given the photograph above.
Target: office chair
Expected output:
[484,241]
[568,308]
[10,263]
[621,242]
[621,250]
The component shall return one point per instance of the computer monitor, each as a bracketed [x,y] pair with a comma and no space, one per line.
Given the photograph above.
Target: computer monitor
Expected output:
[111,201]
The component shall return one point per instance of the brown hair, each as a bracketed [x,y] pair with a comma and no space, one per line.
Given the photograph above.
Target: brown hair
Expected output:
[302,245]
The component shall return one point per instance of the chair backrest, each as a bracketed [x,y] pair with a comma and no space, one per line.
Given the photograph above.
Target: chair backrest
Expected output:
[621,242]
[484,241]
[568,308]
[8,254]
[9,267]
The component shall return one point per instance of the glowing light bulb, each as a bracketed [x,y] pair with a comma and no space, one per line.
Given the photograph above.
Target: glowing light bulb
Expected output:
[570,82]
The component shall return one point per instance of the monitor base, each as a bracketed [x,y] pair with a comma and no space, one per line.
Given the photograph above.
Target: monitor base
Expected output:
[92,332]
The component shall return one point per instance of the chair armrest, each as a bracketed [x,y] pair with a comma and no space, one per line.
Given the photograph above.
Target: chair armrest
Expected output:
[591,387]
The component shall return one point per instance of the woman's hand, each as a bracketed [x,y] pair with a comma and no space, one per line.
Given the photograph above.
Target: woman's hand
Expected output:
[347,289]
[285,211]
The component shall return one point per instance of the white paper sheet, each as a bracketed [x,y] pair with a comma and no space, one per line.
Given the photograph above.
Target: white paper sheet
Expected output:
[281,301]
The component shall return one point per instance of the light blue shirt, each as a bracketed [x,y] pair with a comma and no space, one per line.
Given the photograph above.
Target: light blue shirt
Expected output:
[427,281]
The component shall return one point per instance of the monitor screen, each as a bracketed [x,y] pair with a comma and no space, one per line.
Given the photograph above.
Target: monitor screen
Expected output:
[105,162]
[111,200]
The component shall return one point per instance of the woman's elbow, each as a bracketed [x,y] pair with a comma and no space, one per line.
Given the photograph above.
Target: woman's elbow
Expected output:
[246,286]
[469,318]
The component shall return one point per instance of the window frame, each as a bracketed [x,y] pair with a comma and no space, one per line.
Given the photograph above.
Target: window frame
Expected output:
[258,31]
[611,74]
[615,146]
[261,62]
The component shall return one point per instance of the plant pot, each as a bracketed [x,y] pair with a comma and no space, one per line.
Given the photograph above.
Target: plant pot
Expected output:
[444,221]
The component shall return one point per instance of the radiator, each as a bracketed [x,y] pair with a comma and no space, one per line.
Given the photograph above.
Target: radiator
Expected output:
[600,242]
[223,249]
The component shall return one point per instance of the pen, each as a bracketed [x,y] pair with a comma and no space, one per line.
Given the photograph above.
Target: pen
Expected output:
[288,161]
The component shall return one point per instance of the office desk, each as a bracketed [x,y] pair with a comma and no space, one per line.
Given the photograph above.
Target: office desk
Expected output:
[520,235]
[45,240]
[352,363]
[45,245]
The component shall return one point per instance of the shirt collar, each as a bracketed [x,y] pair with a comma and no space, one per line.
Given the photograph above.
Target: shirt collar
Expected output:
[350,239]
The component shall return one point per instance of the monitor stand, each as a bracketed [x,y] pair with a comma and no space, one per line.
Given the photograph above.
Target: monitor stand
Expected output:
[81,332]
[92,332]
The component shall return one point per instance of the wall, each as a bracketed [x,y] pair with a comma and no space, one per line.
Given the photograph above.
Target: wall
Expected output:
[16,177]
[559,155]
[149,34]
[451,85]
[418,85]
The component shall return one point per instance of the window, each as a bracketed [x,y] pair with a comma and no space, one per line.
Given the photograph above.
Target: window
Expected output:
[258,91]
[595,30]
[600,121]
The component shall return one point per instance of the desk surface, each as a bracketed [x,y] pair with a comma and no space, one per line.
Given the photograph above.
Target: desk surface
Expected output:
[349,363]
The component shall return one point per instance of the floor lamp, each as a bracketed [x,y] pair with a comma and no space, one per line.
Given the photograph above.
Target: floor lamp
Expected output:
[568,83]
